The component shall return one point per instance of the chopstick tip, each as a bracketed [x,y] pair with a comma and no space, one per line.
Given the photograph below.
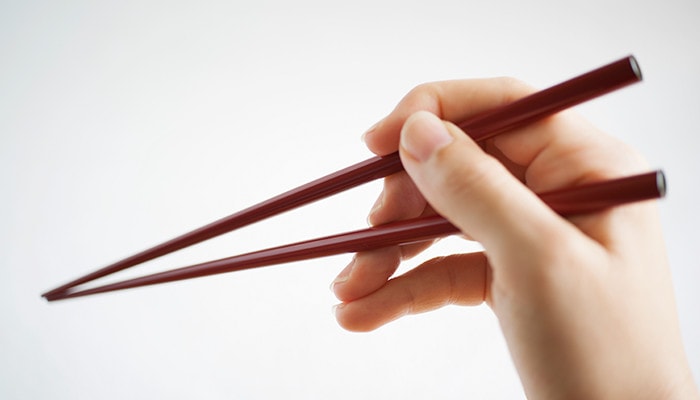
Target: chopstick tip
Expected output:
[51,297]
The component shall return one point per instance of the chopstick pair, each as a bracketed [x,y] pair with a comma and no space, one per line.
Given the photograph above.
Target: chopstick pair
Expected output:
[481,127]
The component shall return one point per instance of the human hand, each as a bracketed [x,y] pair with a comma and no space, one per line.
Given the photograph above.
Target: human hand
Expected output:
[585,303]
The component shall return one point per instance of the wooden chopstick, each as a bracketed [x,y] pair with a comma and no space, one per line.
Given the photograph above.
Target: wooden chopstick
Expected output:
[567,202]
[536,106]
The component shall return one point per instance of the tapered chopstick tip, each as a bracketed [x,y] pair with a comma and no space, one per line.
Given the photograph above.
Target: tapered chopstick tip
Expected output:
[53,296]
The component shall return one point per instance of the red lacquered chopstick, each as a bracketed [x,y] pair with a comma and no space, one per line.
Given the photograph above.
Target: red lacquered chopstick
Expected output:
[573,201]
[536,106]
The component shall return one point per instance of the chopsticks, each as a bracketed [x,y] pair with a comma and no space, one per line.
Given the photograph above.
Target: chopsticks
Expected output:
[521,112]
[578,200]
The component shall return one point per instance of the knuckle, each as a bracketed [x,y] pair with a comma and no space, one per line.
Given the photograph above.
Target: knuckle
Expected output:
[425,96]
[513,88]
[428,89]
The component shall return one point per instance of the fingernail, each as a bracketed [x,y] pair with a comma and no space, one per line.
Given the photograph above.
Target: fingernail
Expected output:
[423,134]
[343,276]
[370,130]
[337,307]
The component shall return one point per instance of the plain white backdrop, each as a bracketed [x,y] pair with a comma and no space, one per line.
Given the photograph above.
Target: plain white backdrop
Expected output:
[125,123]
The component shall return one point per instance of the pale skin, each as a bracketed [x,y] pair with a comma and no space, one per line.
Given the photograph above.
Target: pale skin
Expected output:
[586,304]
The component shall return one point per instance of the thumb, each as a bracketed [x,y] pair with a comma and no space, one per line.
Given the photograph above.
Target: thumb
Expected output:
[472,189]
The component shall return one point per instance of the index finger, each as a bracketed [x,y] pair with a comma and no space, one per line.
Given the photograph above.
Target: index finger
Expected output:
[450,100]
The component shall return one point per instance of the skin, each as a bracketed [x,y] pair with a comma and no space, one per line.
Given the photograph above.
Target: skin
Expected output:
[590,317]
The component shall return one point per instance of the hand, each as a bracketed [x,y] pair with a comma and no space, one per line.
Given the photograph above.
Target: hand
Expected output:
[585,303]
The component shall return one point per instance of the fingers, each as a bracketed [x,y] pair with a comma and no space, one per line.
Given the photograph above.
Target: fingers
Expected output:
[485,196]
[473,190]
[367,272]
[449,100]
[458,279]
[400,199]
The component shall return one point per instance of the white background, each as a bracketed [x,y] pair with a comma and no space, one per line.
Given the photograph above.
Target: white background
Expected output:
[125,123]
